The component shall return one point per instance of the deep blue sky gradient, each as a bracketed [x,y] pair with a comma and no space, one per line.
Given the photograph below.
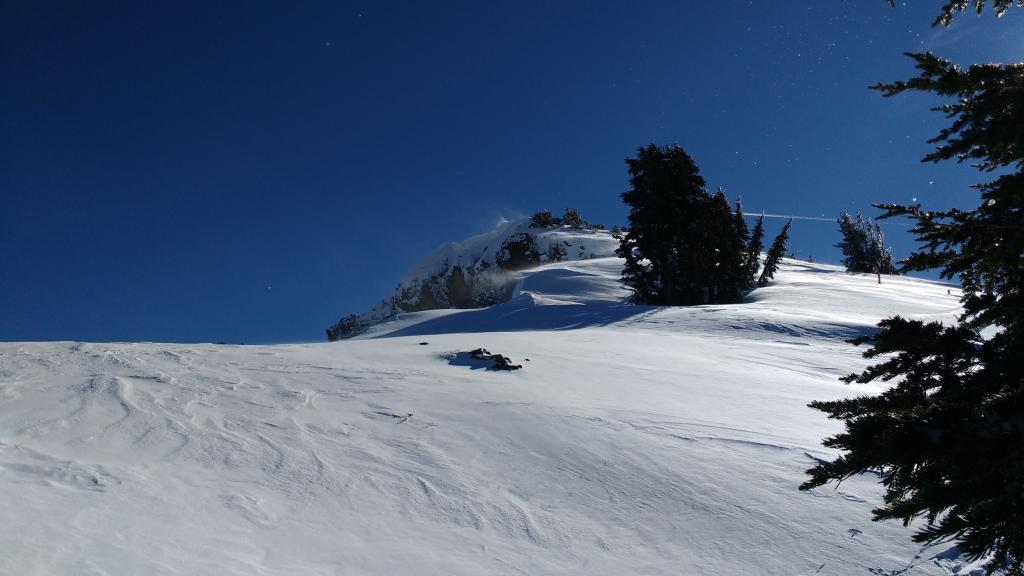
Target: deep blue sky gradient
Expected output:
[249,172]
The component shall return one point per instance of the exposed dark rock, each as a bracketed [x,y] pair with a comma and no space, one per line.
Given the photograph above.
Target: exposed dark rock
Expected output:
[519,252]
[345,328]
[460,289]
[484,274]
[556,253]
[400,418]
[504,363]
[500,362]
[452,288]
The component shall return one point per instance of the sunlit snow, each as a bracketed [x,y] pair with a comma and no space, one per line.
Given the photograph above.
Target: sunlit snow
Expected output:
[635,440]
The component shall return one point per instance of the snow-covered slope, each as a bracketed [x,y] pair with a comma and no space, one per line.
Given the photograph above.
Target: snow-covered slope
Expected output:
[481,270]
[634,441]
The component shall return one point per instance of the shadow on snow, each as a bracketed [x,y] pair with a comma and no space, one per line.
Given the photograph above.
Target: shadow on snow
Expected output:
[523,314]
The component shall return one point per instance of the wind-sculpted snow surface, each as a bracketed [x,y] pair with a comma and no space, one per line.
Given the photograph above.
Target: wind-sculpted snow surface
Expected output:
[634,440]
[480,271]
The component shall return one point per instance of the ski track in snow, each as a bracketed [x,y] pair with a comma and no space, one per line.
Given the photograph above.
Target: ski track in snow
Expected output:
[634,441]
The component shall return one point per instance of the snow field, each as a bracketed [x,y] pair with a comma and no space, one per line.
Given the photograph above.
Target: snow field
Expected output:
[635,440]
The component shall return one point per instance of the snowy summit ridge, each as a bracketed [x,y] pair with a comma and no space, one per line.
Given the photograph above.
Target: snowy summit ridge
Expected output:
[481,270]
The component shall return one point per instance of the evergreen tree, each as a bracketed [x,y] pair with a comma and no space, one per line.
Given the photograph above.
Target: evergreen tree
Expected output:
[683,245]
[544,219]
[881,255]
[726,240]
[854,242]
[740,221]
[863,246]
[743,233]
[948,438]
[572,218]
[951,7]
[754,247]
[665,187]
[775,253]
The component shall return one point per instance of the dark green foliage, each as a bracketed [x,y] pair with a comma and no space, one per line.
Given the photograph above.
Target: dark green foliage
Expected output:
[740,222]
[984,248]
[754,247]
[987,114]
[775,253]
[743,234]
[683,245]
[572,218]
[948,438]
[951,7]
[544,219]
[863,246]
[854,244]
[666,193]
[727,240]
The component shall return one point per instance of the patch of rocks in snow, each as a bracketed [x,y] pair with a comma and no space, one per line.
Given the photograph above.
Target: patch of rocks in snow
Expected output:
[480,271]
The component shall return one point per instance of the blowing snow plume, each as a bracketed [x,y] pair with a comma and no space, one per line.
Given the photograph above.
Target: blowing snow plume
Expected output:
[482,270]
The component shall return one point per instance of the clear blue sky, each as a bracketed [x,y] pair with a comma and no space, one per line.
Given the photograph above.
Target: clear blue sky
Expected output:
[250,171]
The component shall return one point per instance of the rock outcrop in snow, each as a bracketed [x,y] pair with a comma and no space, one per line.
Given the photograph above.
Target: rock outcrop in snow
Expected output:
[480,271]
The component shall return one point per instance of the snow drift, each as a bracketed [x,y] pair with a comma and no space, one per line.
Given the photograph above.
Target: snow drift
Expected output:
[635,440]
